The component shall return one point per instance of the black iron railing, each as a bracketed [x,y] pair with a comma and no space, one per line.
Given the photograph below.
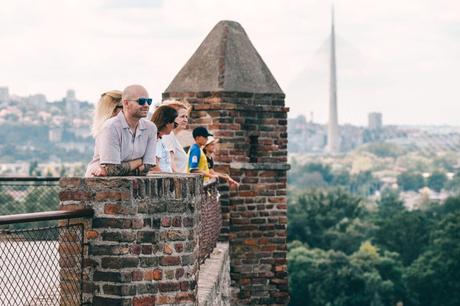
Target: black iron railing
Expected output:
[43,265]
[210,220]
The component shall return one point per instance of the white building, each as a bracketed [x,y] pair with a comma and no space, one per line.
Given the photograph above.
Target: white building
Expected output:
[375,121]
[4,94]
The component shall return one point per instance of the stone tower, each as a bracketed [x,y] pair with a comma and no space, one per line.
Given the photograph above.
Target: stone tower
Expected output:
[333,136]
[234,94]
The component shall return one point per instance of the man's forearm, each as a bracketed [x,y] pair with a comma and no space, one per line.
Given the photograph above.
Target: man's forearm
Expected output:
[124,169]
[145,169]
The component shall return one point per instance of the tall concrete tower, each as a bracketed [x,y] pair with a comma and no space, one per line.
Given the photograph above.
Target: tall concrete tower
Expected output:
[333,137]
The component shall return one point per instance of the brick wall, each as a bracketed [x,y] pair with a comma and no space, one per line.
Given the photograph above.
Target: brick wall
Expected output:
[142,244]
[252,129]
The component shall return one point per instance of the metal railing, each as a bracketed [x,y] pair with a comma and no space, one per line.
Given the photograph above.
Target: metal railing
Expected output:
[211,220]
[28,194]
[43,265]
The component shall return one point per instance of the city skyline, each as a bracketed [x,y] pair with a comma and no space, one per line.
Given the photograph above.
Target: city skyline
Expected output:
[399,59]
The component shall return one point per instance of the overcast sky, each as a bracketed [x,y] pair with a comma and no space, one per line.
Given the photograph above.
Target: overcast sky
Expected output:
[401,58]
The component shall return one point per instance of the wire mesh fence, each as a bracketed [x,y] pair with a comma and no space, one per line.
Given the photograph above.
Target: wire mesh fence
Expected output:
[20,195]
[41,266]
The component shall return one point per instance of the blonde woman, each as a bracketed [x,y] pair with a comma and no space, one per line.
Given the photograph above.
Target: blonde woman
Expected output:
[178,156]
[109,105]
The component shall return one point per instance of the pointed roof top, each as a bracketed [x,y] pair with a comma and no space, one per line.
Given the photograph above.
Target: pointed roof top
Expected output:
[225,61]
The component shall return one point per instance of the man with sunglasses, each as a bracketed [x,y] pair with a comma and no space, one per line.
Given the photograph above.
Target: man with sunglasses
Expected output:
[128,141]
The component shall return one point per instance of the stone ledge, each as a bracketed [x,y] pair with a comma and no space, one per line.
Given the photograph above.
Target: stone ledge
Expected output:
[214,278]
[260,166]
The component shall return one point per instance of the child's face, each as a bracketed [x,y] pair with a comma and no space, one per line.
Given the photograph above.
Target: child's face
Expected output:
[201,140]
[210,148]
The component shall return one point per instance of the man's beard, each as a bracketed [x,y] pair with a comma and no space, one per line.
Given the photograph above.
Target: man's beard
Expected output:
[140,114]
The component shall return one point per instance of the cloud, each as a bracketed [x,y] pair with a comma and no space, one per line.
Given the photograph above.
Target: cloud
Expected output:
[400,58]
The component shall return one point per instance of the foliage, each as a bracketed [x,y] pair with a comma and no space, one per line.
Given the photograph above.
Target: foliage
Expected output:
[19,200]
[437,180]
[384,149]
[319,277]
[410,181]
[317,175]
[328,221]
[341,253]
[434,278]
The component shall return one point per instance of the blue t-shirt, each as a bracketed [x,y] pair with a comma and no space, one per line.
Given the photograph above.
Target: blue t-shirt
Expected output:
[197,160]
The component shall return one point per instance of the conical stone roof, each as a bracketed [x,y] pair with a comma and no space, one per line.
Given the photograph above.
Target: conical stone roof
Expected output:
[225,61]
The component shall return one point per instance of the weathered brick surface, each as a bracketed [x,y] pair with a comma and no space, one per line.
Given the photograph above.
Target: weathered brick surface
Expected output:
[252,128]
[141,247]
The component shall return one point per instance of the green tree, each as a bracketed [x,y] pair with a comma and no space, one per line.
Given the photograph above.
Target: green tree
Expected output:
[383,149]
[405,233]
[319,277]
[333,220]
[410,181]
[437,180]
[389,205]
[364,183]
[454,184]
[43,198]
[7,202]
[434,278]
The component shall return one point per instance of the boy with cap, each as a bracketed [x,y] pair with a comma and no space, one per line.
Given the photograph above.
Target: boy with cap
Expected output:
[209,149]
[197,162]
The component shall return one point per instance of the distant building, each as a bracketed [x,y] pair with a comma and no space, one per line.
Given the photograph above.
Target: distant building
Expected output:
[351,137]
[14,169]
[4,94]
[375,121]
[37,100]
[72,105]
[55,134]
[70,95]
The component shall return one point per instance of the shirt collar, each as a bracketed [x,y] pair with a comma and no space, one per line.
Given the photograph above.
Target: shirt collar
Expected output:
[124,124]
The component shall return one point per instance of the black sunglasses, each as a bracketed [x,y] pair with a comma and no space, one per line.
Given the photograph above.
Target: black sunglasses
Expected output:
[142,101]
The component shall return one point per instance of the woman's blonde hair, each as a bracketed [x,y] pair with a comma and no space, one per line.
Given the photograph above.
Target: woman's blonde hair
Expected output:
[176,104]
[107,104]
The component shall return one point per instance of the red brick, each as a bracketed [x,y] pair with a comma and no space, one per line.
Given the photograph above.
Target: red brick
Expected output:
[184,297]
[90,235]
[166,221]
[179,273]
[177,221]
[170,261]
[112,209]
[71,182]
[137,275]
[144,300]
[169,286]
[112,195]
[179,247]
[165,299]
[156,274]
[167,249]
[74,195]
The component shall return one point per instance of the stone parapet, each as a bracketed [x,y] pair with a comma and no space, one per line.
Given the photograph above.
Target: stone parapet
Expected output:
[142,246]
[214,280]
